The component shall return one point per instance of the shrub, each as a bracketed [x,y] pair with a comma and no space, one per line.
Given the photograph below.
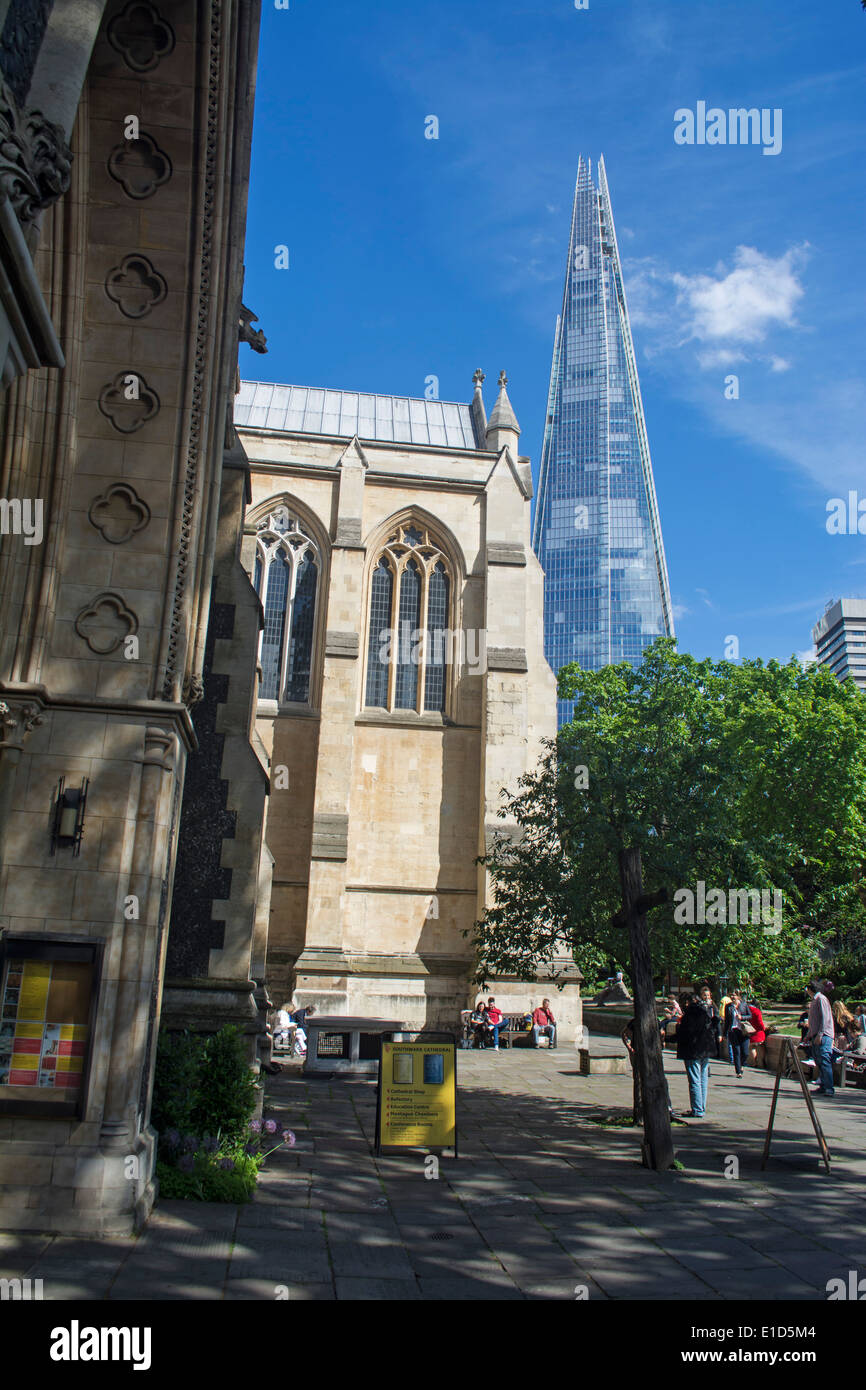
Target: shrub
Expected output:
[210,1150]
[206,1183]
[176,1081]
[226,1095]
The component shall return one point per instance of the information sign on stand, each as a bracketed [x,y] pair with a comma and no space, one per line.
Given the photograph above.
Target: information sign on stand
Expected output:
[416,1101]
[789,1061]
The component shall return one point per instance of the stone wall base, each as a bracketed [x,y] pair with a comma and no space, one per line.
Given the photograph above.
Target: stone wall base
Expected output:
[66,1190]
[207,1005]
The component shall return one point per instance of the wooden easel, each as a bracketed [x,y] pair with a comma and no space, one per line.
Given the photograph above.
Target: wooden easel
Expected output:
[788,1061]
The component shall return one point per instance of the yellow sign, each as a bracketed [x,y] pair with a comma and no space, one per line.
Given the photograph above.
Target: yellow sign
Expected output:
[417,1095]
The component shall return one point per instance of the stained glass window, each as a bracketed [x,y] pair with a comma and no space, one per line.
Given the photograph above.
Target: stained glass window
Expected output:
[437,623]
[406,694]
[301,640]
[410,601]
[378,651]
[286,576]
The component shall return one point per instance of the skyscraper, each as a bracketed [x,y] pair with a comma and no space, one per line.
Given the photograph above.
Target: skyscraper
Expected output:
[597,531]
[840,639]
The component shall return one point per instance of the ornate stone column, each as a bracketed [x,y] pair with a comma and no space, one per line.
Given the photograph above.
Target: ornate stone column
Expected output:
[17,718]
[150,857]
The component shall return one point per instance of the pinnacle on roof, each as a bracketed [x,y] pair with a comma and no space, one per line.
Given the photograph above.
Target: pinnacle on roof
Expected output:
[503,417]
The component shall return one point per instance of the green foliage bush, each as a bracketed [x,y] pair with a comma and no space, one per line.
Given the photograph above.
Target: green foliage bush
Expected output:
[207,1182]
[226,1092]
[847,970]
[176,1081]
[203,1102]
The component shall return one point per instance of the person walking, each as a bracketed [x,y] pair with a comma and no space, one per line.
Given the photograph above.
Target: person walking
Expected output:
[724,1040]
[696,1044]
[706,997]
[821,1034]
[738,1019]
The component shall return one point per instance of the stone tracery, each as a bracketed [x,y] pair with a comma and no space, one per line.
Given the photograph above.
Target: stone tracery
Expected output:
[286,577]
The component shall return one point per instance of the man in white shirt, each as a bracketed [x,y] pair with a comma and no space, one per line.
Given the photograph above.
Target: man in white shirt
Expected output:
[820,1036]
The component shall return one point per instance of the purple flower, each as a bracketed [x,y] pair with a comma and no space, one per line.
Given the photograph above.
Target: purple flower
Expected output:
[228,1164]
[251,1148]
[270,1126]
[186,1163]
[255,1126]
[288,1138]
[190,1143]
[209,1144]
[172,1138]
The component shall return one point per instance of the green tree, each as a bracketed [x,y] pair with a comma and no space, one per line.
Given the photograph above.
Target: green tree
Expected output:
[747,776]
[676,779]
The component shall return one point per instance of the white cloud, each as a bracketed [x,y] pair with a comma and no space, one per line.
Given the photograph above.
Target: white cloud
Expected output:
[720,357]
[680,610]
[815,424]
[806,657]
[741,305]
[809,413]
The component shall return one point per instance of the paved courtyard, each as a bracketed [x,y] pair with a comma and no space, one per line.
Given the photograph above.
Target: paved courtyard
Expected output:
[541,1204]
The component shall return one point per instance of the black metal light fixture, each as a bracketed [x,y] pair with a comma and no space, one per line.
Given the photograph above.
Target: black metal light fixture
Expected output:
[69,816]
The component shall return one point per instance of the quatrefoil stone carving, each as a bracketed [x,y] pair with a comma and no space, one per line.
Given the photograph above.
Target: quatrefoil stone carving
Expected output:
[105,622]
[140,36]
[135,287]
[128,402]
[140,166]
[118,513]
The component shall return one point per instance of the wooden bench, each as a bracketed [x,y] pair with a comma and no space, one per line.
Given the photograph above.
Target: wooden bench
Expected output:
[508,1033]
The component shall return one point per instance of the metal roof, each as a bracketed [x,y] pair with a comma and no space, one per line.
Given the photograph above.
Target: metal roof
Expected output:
[398,419]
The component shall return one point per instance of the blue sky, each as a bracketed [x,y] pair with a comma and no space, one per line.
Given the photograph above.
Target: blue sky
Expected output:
[412,257]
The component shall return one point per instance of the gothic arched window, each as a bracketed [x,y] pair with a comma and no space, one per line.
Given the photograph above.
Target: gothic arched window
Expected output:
[408,646]
[286,578]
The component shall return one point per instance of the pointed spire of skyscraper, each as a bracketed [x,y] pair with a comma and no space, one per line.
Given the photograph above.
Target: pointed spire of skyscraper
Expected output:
[597,531]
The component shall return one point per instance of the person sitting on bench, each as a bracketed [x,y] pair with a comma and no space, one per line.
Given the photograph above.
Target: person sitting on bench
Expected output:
[543,1024]
[479,1025]
[496,1018]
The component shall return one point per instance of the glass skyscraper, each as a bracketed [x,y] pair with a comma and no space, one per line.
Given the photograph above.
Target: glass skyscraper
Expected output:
[596,530]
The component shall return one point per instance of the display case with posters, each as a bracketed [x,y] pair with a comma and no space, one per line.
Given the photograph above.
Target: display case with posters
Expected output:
[48,994]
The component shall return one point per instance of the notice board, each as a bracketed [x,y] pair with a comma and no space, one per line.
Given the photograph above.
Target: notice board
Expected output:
[417,1094]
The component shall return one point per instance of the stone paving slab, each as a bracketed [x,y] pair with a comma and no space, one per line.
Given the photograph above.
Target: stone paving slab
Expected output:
[542,1203]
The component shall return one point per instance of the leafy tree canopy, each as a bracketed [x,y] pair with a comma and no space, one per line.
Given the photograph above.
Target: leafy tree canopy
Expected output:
[749,776]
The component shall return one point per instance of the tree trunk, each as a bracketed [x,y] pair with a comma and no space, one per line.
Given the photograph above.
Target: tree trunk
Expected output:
[637,1098]
[658,1139]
